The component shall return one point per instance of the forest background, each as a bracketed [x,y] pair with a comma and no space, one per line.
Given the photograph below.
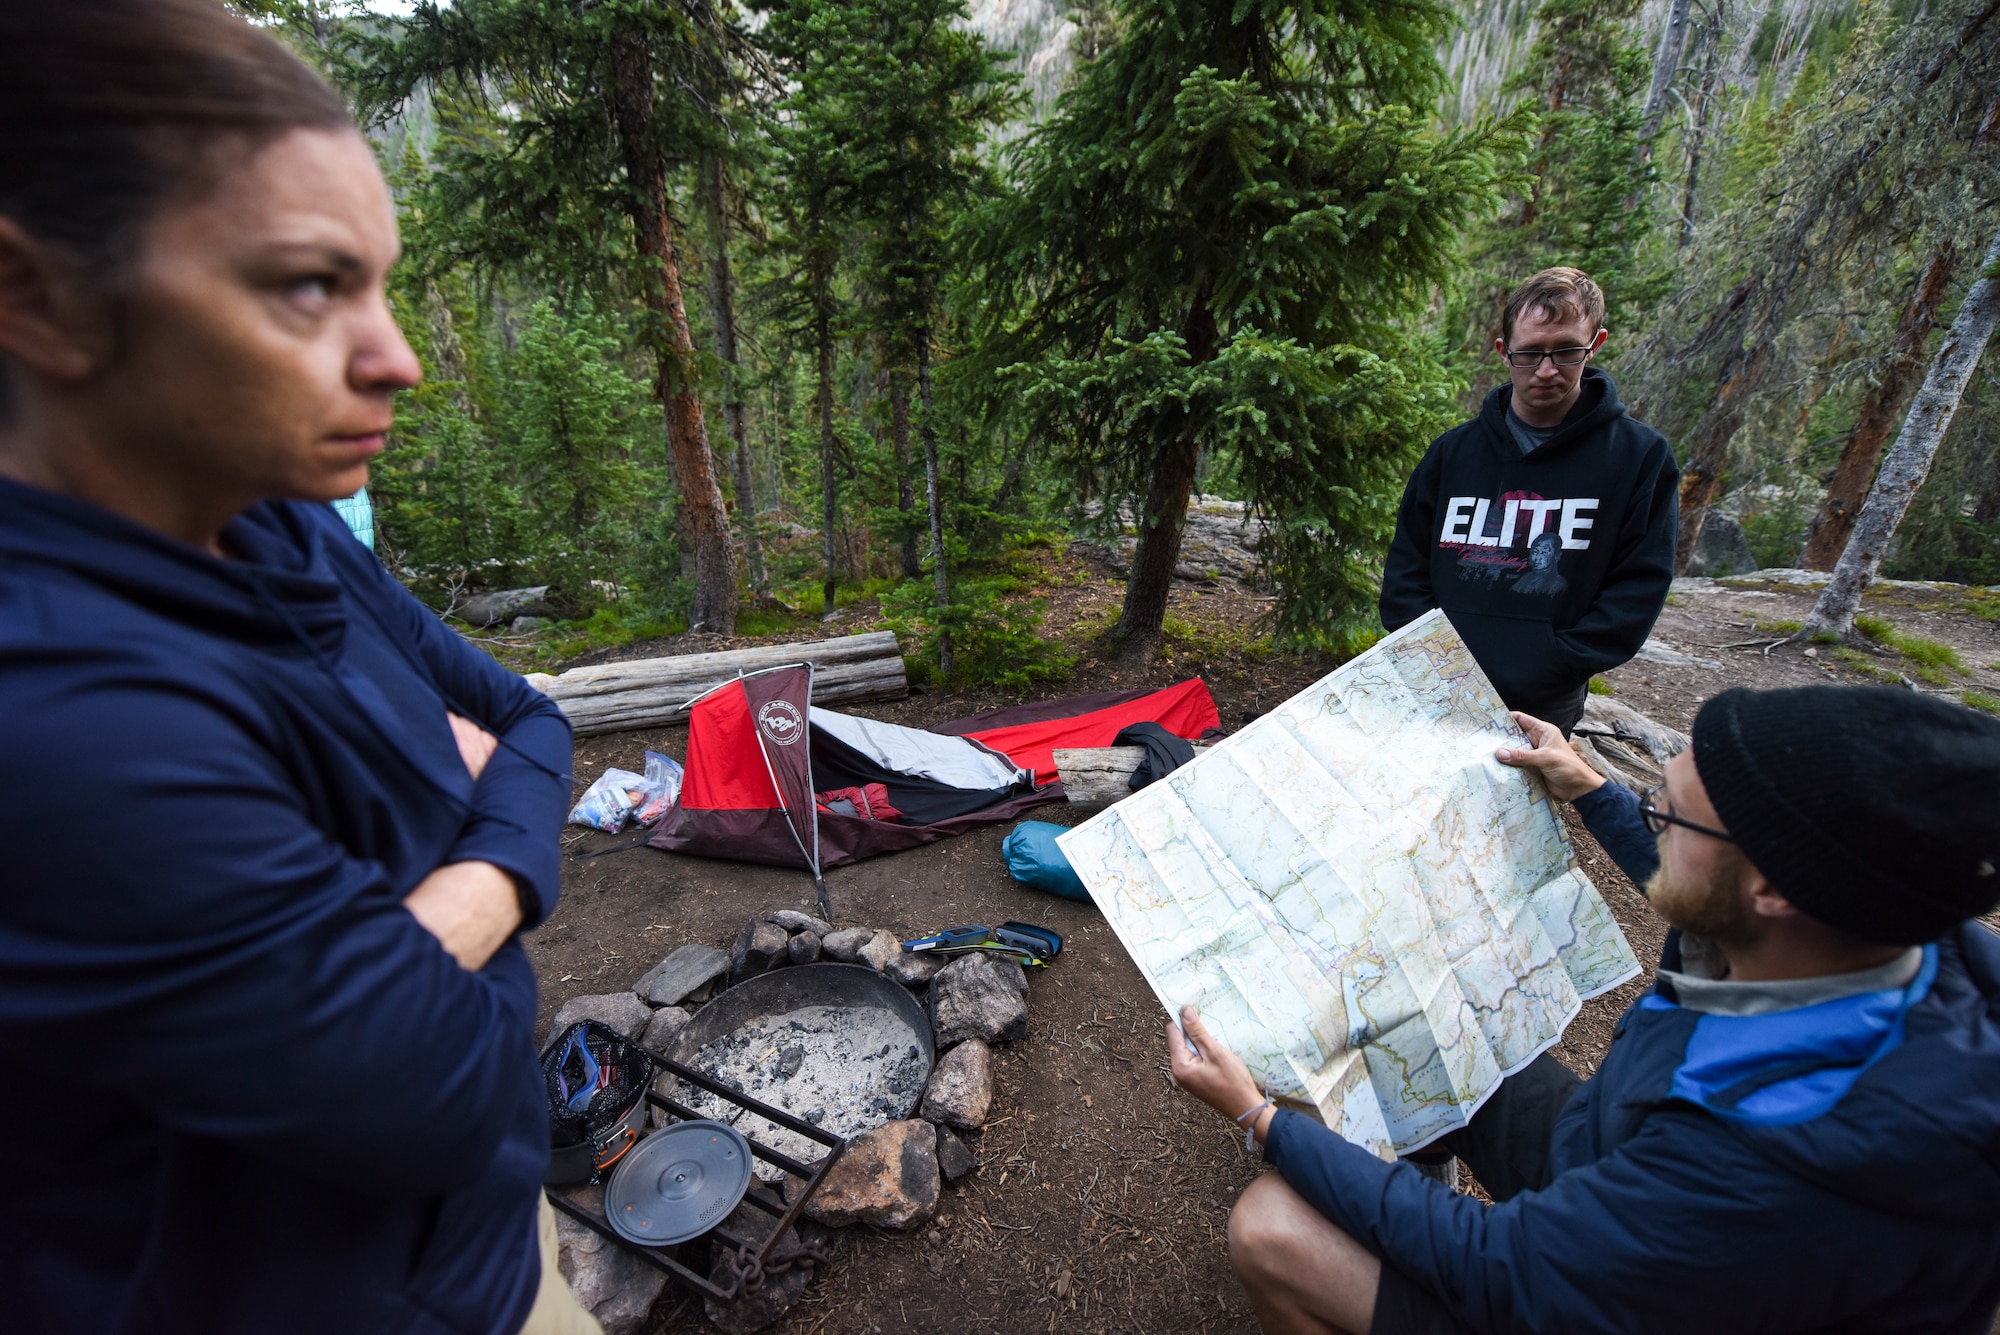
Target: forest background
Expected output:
[736,314]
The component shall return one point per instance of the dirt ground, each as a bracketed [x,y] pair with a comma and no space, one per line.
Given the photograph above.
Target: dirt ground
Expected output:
[1103,1199]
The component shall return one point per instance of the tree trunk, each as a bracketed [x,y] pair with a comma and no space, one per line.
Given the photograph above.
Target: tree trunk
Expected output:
[928,429]
[1697,123]
[1666,64]
[823,406]
[1909,459]
[1851,476]
[1708,456]
[714,606]
[722,297]
[1136,637]
[906,492]
[1017,469]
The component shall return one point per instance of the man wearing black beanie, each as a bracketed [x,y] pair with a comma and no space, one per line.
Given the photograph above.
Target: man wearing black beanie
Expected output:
[1796,1129]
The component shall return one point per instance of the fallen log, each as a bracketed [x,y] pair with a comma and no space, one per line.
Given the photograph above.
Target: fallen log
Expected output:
[652,692]
[1624,745]
[1093,777]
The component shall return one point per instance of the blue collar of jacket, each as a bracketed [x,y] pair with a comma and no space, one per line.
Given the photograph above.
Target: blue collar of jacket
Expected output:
[1791,1066]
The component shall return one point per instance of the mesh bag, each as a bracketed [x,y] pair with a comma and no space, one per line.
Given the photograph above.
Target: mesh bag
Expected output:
[596,1080]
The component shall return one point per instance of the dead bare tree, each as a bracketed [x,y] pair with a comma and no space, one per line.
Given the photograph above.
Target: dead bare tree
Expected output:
[1834,523]
[1666,64]
[1909,461]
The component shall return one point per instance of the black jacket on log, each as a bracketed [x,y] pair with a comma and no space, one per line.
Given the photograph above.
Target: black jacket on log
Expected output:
[1552,565]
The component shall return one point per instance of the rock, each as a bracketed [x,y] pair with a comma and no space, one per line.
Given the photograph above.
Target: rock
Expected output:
[888,1177]
[961,1088]
[1720,548]
[760,947]
[1219,540]
[981,996]
[621,1010]
[878,951]
[755,1311]
[845,944]
[794,921]
[803,948]
[1659,651]
[914,970]
[667,1021]
[613,1285]
[489,609]
[528,625]
[955,1160]
[681,974]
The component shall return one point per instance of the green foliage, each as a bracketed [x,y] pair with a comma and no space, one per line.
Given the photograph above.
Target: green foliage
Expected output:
[1776,532]
[1981,701]
[995,639]
[1930,658]
[1213,243]
[579,425]
[1588,197]
[1239,254]
[1602,686]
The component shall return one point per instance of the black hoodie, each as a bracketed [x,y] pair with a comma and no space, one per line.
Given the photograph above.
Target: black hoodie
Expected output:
[1552,565]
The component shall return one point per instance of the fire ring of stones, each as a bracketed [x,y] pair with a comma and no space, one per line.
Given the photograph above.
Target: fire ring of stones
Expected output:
[866,1070]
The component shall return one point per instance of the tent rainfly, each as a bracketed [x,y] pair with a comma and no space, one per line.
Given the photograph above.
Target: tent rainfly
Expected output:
[772,779]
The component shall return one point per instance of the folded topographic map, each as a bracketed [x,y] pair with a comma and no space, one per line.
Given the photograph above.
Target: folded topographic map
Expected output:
[1367,907]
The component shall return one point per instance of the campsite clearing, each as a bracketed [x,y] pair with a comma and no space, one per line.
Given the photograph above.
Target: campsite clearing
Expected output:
[1103,1199]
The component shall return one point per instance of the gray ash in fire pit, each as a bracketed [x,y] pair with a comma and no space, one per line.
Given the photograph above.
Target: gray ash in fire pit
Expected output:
[844,1068]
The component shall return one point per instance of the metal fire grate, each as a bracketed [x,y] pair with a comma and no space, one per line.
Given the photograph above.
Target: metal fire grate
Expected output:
[749,1261]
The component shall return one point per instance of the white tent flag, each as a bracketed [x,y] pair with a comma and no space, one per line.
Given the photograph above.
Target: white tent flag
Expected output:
[1367,907]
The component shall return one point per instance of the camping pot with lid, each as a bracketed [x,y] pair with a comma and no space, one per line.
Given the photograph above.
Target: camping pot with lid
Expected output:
[596,1080]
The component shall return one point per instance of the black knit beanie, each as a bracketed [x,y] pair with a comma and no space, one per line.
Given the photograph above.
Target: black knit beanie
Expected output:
[1872,809]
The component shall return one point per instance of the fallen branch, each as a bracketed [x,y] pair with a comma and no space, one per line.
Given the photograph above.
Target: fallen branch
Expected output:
[653,692]
[1096,776]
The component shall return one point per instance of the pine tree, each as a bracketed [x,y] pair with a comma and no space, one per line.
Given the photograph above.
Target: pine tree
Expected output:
[601,100]
[1587,204]
[573,419]
[1217,234]
[817,171]
[926,91]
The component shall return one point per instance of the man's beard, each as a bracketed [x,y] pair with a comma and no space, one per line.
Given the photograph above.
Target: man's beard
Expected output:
[1714,910]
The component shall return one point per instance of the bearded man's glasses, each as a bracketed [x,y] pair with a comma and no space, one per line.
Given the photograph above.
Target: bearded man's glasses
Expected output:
[1657,820]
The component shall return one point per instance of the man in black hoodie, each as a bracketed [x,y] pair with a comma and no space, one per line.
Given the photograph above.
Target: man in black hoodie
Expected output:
[1545,526]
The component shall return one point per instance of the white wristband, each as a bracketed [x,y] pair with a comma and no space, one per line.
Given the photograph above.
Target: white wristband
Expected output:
[1250,1131]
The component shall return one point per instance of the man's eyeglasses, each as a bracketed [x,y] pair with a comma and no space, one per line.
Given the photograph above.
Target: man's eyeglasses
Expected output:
[1657,820]
[1560,356]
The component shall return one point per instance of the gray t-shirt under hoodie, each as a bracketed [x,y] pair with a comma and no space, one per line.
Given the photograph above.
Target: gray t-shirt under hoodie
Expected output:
[1528,437]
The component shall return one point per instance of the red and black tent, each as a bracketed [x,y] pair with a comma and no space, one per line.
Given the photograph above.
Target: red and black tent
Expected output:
[770,778]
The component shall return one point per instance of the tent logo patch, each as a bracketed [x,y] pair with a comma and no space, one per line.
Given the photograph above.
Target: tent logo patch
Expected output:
[781,721]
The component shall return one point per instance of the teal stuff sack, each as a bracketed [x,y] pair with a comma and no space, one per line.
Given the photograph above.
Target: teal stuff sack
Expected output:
[1034,860]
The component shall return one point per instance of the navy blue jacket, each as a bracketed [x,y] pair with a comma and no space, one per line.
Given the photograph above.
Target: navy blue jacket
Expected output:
[246,1091]
[1552,565]
[1830,1168]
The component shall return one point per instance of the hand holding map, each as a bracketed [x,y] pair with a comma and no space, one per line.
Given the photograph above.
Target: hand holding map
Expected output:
[1377,915]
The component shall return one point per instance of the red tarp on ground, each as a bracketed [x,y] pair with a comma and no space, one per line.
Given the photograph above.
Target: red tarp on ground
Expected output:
[1186,710]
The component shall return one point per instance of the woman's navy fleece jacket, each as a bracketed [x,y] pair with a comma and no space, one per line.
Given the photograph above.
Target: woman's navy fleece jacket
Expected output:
[1701,1182]
[247,1091]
